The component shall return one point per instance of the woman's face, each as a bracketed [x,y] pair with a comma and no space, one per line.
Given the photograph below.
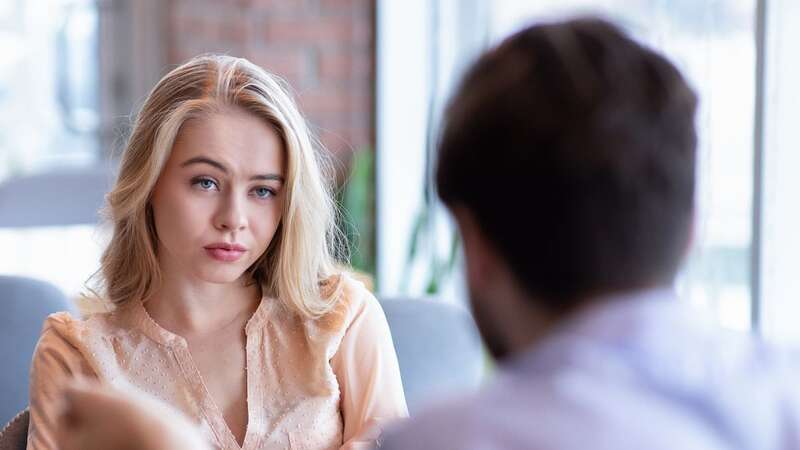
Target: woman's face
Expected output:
[219,198]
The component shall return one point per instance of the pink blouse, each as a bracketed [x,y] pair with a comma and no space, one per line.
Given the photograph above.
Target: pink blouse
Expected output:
[311,384]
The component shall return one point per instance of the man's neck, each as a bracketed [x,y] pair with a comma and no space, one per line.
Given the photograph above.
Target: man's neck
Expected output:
[534,325]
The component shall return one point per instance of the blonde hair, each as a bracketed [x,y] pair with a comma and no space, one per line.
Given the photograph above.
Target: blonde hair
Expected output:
[299,266]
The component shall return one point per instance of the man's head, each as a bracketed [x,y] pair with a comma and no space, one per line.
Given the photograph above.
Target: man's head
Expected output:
[568,156]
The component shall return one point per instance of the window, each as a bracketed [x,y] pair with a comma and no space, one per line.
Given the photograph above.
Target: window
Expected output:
[714,45]
[49,112]
[48,85]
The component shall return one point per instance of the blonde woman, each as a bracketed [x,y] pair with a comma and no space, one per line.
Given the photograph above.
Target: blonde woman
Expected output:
[228,302]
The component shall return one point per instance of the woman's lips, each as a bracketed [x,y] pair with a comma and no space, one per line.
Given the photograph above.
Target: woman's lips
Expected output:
[225,252]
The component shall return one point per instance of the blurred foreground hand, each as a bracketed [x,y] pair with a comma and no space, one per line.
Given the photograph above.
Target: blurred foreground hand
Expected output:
[98,417]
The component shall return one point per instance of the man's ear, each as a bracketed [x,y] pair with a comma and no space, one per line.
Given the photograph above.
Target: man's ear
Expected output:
[479,255]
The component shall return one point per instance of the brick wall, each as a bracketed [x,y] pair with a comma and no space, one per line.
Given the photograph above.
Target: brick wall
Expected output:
[323,48]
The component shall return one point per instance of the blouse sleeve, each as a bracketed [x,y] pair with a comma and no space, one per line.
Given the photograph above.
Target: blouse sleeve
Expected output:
[55,361]
[369,376]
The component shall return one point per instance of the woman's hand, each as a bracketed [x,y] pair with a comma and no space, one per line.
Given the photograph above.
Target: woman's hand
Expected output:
[99,418]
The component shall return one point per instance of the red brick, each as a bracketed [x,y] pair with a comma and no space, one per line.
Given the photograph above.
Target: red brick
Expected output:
[195,27]
[359,137]
[335,141]
[239,30]
[273,6]
[363,32]
[289,65]
[323,48]
[313,31]
[361,103]
[341,7]
[352,64]
[331,121]
[324,101]
[335,65]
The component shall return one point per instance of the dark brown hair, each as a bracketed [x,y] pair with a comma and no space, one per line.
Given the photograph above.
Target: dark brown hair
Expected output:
[574,148]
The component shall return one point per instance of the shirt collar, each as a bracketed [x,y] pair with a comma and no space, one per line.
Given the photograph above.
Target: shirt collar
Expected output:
[648,318]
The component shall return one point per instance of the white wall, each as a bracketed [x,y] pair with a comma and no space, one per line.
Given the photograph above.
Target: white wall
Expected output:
[403,45]
[780,274]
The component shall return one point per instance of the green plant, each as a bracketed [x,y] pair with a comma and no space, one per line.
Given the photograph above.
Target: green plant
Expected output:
[423,247]
[357,200]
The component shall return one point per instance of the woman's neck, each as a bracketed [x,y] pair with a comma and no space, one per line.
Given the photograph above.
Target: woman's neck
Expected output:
[192,307]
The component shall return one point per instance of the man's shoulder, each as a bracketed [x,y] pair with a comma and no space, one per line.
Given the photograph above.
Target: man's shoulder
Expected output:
[446,425]
[494,417]
[568,411]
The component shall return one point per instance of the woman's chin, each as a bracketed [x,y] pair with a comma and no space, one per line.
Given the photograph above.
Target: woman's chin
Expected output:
[226,276]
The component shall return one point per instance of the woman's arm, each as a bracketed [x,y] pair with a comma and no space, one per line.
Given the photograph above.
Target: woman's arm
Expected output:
[369,375]
[55,363]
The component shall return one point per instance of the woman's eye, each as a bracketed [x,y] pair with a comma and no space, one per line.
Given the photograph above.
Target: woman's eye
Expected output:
[205,184]
[262,192]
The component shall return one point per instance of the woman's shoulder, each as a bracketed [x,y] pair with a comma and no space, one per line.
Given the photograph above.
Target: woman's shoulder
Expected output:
[353,301]
[355,291]
[63,324]
[74,329]
[62,338]
[70,344]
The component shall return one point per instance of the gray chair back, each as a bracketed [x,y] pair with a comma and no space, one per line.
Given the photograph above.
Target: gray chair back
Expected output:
[438,347]
[24,305]
[14,436]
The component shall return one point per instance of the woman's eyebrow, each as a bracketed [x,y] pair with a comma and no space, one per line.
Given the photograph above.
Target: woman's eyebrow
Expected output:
[267,177]
[221,167]
[205,160]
